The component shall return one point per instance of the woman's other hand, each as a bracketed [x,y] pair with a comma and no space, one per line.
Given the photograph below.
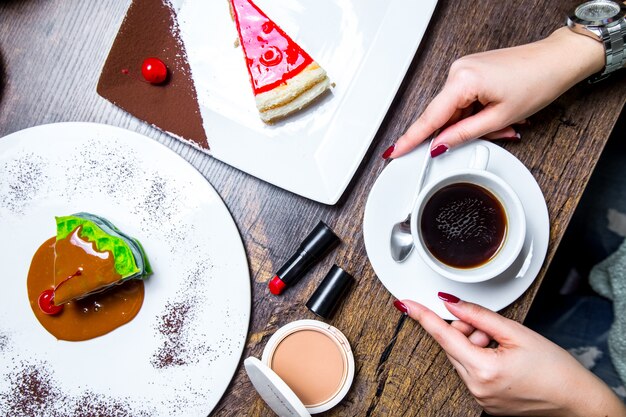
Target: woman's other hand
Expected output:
[486,93]
[524,375]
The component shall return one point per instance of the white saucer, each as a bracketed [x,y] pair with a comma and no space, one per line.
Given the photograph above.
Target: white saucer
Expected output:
[389,202]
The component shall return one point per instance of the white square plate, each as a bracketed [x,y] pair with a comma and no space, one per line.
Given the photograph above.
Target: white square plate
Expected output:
[365,46]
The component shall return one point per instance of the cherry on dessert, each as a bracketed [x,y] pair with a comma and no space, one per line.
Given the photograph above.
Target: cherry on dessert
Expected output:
[154,70]
[46,303]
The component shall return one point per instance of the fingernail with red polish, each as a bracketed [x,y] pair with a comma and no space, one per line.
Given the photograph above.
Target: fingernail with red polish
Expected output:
[438,150]
[448,298]
[389,151]
[400,306]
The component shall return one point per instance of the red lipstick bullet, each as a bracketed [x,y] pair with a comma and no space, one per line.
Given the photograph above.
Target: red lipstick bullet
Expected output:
[313,248]
[277,286]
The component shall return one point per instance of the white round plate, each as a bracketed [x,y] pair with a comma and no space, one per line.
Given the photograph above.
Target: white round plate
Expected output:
[179,354]
[389,202]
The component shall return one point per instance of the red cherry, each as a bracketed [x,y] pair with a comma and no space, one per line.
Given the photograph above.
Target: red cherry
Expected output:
[46,304]
[154,70]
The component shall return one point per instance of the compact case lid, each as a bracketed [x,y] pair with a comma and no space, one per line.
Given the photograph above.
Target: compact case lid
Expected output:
[274,391]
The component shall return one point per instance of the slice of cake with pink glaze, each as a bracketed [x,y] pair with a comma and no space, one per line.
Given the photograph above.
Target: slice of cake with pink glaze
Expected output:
[283,75]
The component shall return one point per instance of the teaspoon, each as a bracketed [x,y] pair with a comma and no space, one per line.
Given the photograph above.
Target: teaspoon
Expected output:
[401,241]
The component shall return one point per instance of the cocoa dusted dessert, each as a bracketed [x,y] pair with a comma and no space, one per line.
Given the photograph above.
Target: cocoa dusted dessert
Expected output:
[150,31]
[88,279]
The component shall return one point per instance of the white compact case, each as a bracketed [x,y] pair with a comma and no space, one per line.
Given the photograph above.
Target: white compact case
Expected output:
[307,368]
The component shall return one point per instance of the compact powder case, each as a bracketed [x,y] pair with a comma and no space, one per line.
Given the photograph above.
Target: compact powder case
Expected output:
[307,368]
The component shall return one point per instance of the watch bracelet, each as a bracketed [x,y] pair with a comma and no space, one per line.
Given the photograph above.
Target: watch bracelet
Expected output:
[614,40]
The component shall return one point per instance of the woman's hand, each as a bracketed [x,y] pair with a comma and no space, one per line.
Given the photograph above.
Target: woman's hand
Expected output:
[525,375]
[486,93]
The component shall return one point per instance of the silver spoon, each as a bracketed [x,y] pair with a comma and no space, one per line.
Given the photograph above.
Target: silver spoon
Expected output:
[401,241]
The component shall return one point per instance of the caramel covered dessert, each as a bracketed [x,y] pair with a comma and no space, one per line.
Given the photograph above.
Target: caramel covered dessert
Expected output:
[88,279]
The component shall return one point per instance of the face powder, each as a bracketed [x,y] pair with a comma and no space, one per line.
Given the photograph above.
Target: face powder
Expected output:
[311,363]
[307,368]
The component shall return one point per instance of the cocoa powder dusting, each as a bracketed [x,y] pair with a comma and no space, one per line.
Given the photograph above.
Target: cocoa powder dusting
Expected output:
[91,405]
[113,171]
[24,177]
[33,392]
[161,202]
[173,325]
[177,327]
[4,342]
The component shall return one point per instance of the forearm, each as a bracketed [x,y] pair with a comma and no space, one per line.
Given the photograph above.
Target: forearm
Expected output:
[590,397]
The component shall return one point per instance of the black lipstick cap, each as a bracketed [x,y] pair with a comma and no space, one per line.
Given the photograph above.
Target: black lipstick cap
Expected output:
[330,292]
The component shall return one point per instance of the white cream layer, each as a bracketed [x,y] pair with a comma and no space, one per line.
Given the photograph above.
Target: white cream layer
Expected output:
[294,95]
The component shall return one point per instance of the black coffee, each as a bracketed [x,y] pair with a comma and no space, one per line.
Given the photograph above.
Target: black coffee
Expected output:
[463,225]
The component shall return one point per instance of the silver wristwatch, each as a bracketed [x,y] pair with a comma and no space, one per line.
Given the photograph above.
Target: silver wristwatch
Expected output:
[603,20]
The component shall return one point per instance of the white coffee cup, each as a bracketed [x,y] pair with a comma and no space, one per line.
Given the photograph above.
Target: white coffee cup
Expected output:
[515,232]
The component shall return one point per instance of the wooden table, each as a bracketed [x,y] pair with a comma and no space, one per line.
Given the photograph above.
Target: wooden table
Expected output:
[51,55]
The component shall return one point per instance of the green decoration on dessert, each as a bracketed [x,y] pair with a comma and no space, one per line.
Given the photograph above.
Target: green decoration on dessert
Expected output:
[91,255]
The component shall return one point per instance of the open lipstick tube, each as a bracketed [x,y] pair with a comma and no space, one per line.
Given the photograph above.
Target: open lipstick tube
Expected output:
[313,248]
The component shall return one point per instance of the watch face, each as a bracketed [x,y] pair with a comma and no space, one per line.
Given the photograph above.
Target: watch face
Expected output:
[598,10]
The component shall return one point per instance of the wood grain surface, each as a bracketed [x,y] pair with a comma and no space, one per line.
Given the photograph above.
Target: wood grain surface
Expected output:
[51,53]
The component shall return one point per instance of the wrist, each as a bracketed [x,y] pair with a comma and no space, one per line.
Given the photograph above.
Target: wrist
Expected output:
[583,55]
